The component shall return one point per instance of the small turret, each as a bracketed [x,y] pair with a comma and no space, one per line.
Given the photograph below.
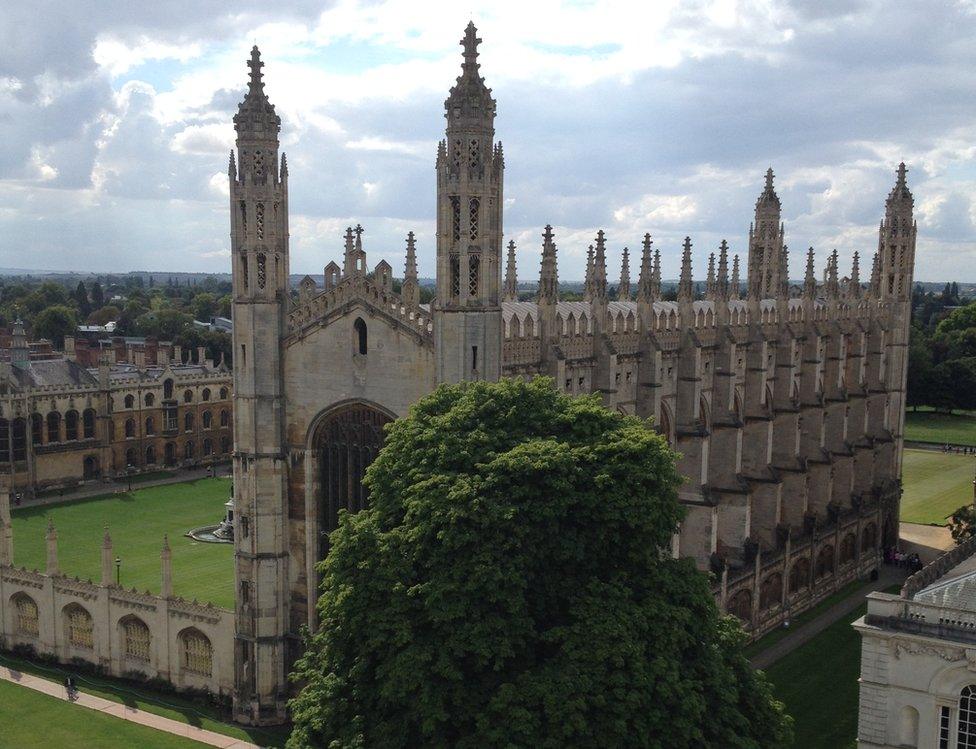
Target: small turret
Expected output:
[410,291]
[710,278]
[810,278]
[548,293]
[623,290]
[510,292]
[735,292]
[685,286]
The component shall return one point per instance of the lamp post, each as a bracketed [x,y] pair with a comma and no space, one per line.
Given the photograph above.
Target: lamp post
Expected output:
[118,571]
[128,475]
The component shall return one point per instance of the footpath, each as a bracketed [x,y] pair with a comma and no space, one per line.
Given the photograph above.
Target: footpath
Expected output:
[889,576]
[117,709]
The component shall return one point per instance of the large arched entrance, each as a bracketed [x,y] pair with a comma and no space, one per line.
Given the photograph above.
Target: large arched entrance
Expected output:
[346,441]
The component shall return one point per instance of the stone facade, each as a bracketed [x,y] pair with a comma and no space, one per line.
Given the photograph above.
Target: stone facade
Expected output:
[785,404]
[918,659]
[62,424]
[123,632]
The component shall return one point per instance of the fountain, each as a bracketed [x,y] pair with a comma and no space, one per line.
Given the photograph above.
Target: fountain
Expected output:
[223,532]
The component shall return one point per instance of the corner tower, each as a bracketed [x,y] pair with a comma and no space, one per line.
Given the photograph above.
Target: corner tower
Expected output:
[259,249]
[767,265]
[467,310]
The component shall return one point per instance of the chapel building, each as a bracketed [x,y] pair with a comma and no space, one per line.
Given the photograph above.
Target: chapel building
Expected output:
[784,403]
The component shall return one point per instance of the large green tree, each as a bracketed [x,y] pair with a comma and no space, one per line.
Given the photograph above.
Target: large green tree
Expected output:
[54,323]
[510,584]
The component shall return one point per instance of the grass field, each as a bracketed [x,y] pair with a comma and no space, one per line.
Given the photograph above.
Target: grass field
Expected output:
[935,484]
[137,523]
[928,426]
[818,684]
[32,720]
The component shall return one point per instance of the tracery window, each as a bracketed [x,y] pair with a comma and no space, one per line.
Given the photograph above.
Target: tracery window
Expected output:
[259,164]
[244,217]
[197,652]
[474,272]
[262,270]
[474,157]
[54,427]
[81,630]
[474,206]
[966,734]
[135,635]
[71,425]
[88,423]
[27,622]
[244,279]
[259,220]
[455,218]
[456,157]
[455,274]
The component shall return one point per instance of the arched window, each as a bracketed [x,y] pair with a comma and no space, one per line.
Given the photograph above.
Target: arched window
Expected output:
[188,421]
[168,389]
[825,562]
[771,591]
[19,436]
[90,467]
[740,605]
[149,400]
[130,428]
[359,327]
[967,717]
[188,450]
[223,394]
[169,456]
[207,448]
[869,537]
[224,418]
[848,548]
[224,445]
[79,628]
[37,428]
[150,455]
[150,425]
[135,639]
[130,457]
[207,420]
[800,575]
[71,426]
[54,427]
[205,395]
[188,396]
[4,441]
[196,652]
[88,423]
[130,401]
[26,622]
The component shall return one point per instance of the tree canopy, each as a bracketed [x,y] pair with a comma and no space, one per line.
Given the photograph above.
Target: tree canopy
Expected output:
[511,584]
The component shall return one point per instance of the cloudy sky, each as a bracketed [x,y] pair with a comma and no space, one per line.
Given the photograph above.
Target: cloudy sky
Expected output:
[115,119]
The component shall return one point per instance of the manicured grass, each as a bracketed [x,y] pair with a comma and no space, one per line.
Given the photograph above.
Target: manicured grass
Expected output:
[928,426]
[774,636]
[818,684]
[195,712]
[31,720]
[935,484]
[137,523]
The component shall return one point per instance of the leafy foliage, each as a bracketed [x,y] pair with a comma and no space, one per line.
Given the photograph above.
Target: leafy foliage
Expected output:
[511,584]
[962,523]
[55,323]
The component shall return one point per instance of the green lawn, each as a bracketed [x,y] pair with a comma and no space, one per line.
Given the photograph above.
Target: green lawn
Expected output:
[137,523]
[818,684]
[928,426]
[935,484]
[32,720]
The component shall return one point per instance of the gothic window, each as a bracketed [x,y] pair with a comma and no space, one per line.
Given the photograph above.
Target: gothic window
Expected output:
[474,271]
[135,639]
[473,208]
[359,327]
[207,420]
[966,736]
[207,448]
[54,427]
[149,400]
[224,445]
[79,627]
[740,605]
[224,418]
[150,425]
[37,428]
[455,218]
[825,562]
[19,428]
[244,279]
[130,401]
[262,270]
[848,548]
[456,157]
[259,220]
[189,450]
[130,428]
[71,425]
[259,165]
[800,575]
[130,457]
[150,455]
[26,623]
[455,274]
[771,591]
[88,423]
[4,441]
[197,653]
[474,157]
[205,395]
[188,422]
[168,389]
[187,396]
[243,218]
[869,537]
[223,394]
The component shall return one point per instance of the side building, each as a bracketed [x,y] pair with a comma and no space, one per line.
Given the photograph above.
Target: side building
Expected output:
[62,424]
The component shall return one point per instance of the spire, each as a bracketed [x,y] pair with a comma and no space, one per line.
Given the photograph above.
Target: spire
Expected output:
[832,286]
[284,166]
[810,279]
[510,292]
[548,274]
[647,290]
[710,277]
[256,116]
[410,291]
[685,289]
[855,283]
[232,167]
[470,43]
[623,291]
[876,275]
[588,279]
[722,282]
[735,291]
[470,99]
[600,267]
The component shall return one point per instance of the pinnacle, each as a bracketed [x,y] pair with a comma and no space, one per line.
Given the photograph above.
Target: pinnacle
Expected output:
[470,43]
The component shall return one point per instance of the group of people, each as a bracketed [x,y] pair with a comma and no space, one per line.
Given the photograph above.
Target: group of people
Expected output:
[895,556]
[964,449]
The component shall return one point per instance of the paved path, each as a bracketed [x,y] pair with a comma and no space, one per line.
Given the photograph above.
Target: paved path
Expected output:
[124,712]
[928,541]
[889,576]
[101,488]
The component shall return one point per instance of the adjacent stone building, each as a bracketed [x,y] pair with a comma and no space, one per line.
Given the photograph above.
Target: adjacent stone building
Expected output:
[62,424]
[784,403]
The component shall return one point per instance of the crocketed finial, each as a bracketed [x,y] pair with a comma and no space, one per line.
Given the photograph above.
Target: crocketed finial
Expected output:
[470,43]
